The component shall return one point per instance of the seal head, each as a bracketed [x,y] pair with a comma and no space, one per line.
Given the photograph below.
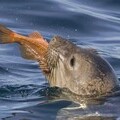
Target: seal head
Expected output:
[81,70]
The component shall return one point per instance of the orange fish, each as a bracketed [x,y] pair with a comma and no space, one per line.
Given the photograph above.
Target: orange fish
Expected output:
[33,46]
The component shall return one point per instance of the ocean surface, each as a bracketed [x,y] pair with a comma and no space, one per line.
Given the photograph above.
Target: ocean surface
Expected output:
[90,23]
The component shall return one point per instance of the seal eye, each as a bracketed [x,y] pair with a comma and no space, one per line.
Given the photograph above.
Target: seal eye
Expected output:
[72,61]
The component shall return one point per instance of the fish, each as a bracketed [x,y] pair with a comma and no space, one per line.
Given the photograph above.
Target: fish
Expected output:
[32,47]
[65,65]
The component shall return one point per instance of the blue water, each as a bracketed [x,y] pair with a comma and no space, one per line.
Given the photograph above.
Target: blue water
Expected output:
[90,23]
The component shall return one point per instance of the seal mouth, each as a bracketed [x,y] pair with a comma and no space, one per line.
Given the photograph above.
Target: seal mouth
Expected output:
[50,55]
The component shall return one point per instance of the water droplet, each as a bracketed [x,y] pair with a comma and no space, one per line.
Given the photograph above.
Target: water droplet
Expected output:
[16,19]
[76,30]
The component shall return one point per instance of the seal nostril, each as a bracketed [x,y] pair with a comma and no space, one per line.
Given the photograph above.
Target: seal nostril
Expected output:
[72,61]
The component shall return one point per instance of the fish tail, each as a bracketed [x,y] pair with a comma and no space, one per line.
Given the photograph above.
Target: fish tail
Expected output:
[32,47]
[6,35]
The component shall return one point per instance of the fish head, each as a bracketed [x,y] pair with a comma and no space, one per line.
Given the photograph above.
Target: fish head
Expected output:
[81,70]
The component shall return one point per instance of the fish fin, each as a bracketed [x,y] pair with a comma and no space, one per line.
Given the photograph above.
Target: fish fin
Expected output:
[28,53]
[35,35]
[93,51]
[6,35]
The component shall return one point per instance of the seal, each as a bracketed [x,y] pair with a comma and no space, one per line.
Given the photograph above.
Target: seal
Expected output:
[81,70]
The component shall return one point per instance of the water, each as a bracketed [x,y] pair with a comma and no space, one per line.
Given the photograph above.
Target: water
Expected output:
[91,23]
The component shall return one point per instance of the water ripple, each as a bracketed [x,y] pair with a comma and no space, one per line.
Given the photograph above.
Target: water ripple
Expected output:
[87,23]
[88,10]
